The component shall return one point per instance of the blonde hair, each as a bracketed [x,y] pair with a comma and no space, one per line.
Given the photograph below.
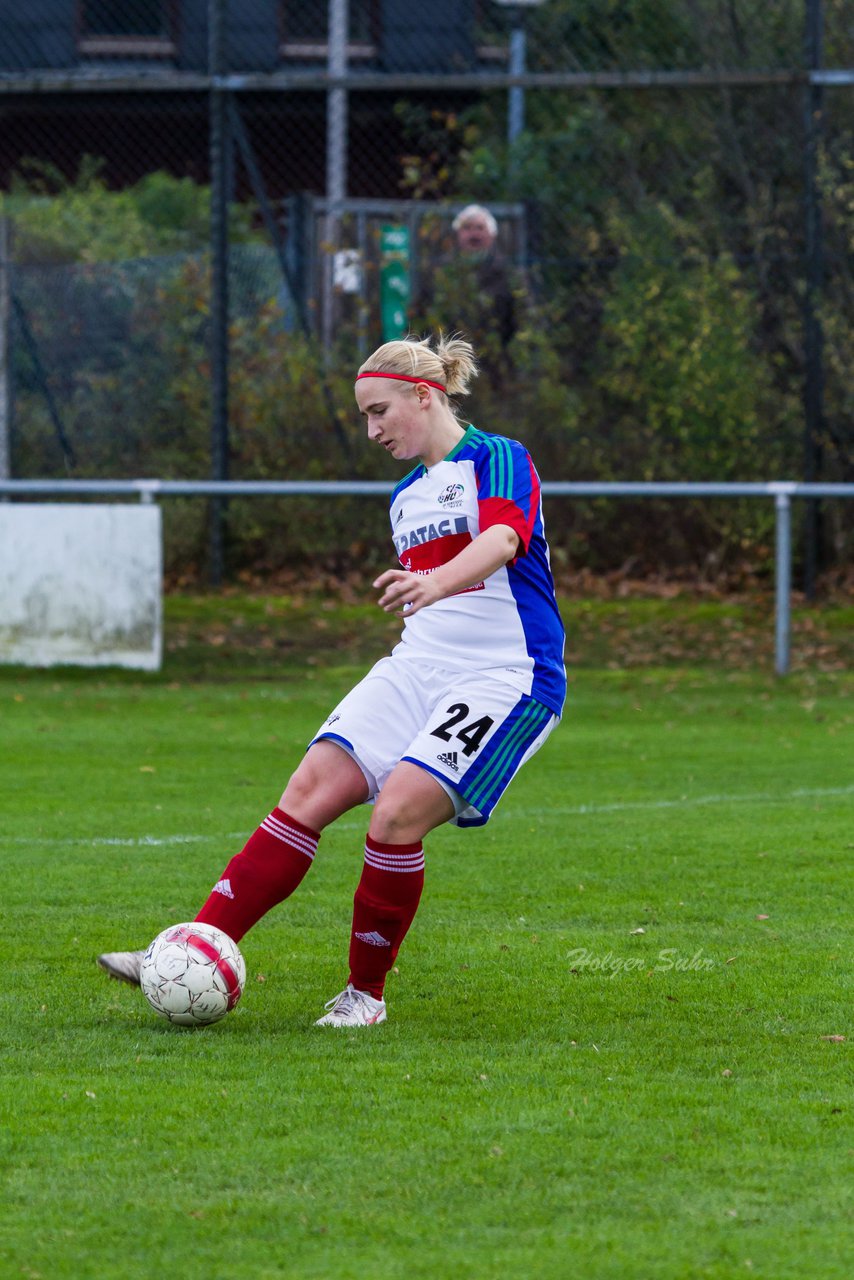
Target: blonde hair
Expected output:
[452,362]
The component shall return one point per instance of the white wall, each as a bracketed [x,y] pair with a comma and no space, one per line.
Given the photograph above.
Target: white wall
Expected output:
[81,584]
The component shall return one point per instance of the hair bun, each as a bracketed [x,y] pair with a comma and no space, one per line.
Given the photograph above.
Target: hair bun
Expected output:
[452,362]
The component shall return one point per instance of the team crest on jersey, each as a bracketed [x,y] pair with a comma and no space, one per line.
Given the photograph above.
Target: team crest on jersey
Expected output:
[451,496]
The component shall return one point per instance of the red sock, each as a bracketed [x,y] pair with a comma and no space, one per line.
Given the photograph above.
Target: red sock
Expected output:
[383,909]
[265,872]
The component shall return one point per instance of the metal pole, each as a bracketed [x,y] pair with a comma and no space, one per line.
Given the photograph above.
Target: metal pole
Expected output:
[5,350]
[259,190]
[29,341]
[219,135]
[516,67]
[814,272]
[336,156]
[783,583]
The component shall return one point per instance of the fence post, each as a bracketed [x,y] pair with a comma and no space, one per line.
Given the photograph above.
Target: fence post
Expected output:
[813,390]
[300,253]
[336,159]
[5,350]
[219,164]
[783,581]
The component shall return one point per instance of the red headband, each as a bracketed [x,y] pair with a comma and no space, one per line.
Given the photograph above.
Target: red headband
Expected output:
[402,377]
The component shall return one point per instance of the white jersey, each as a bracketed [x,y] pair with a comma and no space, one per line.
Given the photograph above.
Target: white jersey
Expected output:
[507,627]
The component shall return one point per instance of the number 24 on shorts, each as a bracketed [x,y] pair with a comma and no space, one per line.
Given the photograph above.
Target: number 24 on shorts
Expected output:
[470,735]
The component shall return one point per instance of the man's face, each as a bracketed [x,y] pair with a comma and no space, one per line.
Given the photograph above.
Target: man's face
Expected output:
[474,235]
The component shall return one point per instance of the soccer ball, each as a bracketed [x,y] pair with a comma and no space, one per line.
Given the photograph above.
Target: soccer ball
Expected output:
[193,974]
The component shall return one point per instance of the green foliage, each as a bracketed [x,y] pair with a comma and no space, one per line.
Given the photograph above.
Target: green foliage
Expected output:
[685,391]
[667,229]
[663,327]
[652,35]
[837,306]
[437,137]
[57,220]
[138,404]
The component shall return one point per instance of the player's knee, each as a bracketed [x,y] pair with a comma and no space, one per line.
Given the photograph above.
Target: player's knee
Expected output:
[300,790]
[326,784]
[404,814]
[391,824]
[308,791]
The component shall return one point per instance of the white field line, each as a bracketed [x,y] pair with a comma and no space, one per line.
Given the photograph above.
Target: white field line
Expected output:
[579,811]
[693,802]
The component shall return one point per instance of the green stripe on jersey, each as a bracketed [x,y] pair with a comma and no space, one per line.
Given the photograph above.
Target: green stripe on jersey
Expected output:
[500,459]
[500,468]
[507,469]
[472,436]
[495,471]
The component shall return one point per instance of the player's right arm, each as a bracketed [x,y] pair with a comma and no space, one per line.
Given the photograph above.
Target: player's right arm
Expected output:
[405,593]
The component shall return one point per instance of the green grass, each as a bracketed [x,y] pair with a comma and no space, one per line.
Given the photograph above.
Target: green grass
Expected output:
[261,633]
[608,1048]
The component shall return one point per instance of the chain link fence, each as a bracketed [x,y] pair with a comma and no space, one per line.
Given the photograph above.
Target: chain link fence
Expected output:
[212,211]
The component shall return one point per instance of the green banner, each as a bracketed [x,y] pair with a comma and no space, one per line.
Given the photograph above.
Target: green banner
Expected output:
[394,281]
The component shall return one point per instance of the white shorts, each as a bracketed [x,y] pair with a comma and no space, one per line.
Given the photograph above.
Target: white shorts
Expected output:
[471,732]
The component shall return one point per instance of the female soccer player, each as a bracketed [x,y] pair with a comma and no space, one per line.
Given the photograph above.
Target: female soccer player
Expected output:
[436,731]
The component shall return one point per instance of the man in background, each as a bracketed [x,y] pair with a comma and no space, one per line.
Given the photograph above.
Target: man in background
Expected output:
[476,291]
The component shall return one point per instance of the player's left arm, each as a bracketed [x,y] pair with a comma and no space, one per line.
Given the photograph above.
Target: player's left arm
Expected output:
[489,551]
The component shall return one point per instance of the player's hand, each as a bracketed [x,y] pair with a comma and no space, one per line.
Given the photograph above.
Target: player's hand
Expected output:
[405,593]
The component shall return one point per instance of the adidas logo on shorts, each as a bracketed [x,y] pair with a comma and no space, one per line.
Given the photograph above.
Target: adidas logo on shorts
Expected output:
[450,759]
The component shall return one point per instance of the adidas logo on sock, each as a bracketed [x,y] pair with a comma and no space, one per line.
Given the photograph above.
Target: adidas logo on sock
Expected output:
[450,759]
[223,887]
[374,939]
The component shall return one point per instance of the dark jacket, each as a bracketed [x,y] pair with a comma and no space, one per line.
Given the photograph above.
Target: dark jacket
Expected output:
[479,297]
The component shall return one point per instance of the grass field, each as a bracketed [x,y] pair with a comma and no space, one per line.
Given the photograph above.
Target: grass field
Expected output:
[615,1039]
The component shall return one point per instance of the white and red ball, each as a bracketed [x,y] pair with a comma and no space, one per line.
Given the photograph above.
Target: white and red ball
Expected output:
[193,974]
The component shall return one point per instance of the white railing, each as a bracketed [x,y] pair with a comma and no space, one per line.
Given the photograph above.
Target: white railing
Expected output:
[782,492]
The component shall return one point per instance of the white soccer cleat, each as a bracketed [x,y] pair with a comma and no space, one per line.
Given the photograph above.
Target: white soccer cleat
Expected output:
[352,1008]
[124,965]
